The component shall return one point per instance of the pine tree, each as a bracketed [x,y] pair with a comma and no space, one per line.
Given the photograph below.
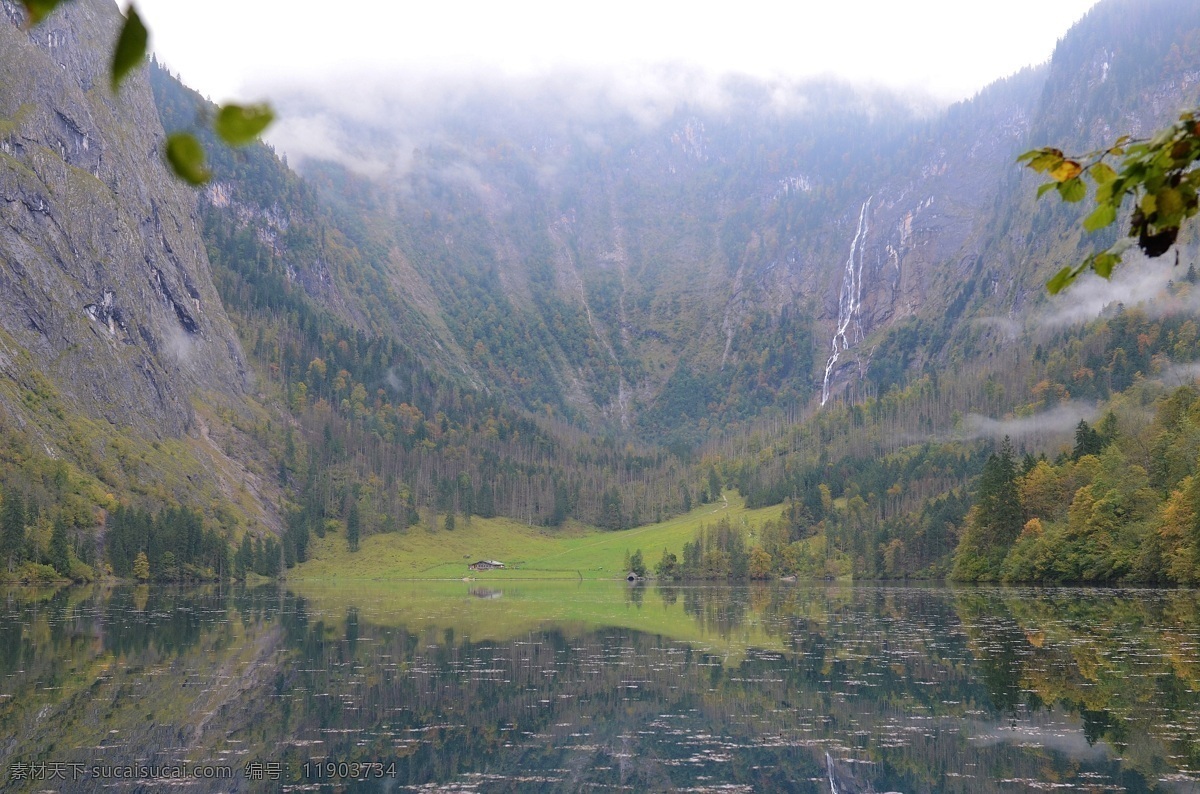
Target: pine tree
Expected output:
[610,510]
[60,553]
[12,530]
[995,521]
[668,566]
[244,560]
[1087,441]
[272,558]
[562,504]
[352,528]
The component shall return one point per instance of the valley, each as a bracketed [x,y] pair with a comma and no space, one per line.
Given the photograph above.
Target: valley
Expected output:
[645,428]
[522,317]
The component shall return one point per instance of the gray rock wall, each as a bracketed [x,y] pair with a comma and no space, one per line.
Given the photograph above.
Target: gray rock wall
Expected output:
[104,278]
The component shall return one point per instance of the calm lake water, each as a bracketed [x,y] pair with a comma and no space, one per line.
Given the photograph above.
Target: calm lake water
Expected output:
[599,687]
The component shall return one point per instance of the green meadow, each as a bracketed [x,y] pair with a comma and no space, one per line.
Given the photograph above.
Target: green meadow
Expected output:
[571,552]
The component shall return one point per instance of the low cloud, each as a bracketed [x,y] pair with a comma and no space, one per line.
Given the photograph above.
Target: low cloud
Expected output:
[1060,419]
[1008,327]
[320,137]
[1180,374]
[1137,282]
[372,123]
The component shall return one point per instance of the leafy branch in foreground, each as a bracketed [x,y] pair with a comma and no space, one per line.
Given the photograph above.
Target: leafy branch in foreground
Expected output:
[236,125]
[1161,176]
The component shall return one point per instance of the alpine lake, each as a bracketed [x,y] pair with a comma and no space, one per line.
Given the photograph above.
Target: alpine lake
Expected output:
[599,686]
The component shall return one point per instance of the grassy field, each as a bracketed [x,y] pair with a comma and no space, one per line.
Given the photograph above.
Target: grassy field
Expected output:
[574,551]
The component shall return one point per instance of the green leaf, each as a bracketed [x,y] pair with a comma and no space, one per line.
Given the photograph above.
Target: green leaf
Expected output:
[1169,203]
[1072,190]
[131,47]
[1102,173]
[241,124]
[185,155]
[1102,216]
[1046,160]
[1105,193]
[1061,280]
[38,9]
[1046,188]
[1104,263]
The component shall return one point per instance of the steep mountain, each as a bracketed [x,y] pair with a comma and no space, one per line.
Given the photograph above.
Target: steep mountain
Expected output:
[106,282]
[115,349]
[664,265]
[649,274]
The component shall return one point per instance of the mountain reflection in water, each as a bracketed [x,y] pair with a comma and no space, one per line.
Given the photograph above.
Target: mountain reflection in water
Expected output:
[598,686]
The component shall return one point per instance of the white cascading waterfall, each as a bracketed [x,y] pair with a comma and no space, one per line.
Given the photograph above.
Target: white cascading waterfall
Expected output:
[850,299]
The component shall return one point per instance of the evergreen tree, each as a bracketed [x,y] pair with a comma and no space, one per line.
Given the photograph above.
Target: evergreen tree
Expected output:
[60,553]
[637,564]
[714,483]
[353,528]
[244,560]
[1108,429]
[995,522]
[610,510]
[272,558]
[668,566]
[692,553]
[168,568]
[1087,441]
[12,530]
[466,495]
[562,504]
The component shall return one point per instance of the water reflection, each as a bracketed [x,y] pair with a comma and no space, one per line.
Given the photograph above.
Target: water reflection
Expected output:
[549,686]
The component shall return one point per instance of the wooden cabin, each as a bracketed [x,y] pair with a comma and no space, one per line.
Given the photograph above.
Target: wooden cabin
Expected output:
[485,565]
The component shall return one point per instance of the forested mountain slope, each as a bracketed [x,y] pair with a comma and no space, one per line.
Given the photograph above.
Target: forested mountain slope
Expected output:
[556,301]
[667,265]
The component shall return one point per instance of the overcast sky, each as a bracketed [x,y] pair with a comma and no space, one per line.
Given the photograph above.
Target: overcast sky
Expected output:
[238,49]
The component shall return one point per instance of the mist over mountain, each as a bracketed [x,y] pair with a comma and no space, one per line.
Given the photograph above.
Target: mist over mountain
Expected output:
[664,254]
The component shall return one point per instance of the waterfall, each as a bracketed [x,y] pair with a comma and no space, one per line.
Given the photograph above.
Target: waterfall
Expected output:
[850,299]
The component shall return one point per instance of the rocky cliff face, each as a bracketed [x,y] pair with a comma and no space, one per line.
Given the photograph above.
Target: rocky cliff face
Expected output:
[104,277]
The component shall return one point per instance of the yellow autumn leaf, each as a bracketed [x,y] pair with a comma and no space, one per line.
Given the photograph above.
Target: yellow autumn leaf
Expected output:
[1067,169]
